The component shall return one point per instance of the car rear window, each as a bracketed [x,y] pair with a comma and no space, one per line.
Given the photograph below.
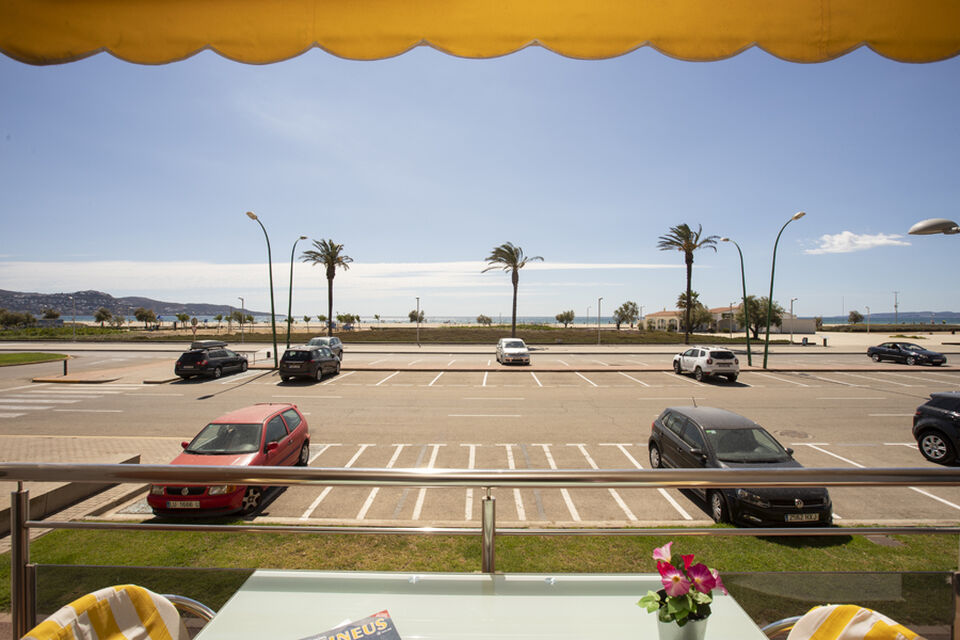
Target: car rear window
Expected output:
[292,418]
[722,355]
[944,402]
[296,356]
[192,357]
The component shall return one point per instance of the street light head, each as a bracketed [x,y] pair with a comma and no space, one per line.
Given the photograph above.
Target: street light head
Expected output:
[303,237]
[724,239]
[798,215]
[251,215]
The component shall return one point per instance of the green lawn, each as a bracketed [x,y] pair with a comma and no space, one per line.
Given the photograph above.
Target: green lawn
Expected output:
[534,554]
[8,359]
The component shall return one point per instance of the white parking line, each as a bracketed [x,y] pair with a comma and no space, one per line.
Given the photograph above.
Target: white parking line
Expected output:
[899,384]
[536,379]
[379,361]
[846,384]
[387,378]
[340,376]
[860,466]
[767,375]
[940,377]
[682,377]
[493,398]
[435,379]
[72,392]
[451,362]
[22,407]
[423,490]
[485,374]
[484,415]
[11,415]
[911,445]
[323,494]
[38,400]
[613,492]
[563,363]
[471,463]
[639,362]
[852,398]
[563,492]
[676,505]
[586,378]
[324,447]
[87,410]
[362,514]
[889,415]
[641,382]
[521,512]
[600,362]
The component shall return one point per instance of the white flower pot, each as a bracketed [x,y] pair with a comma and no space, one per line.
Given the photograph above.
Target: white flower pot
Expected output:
[693,630]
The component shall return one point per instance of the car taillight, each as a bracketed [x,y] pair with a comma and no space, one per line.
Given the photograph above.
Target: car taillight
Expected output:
[736,361]
[203,363]
[653,425]
[709,360]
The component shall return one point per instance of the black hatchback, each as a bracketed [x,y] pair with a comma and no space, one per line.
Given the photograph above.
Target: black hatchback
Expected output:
[308,361]
[209,358]
[936,426]
[705,437]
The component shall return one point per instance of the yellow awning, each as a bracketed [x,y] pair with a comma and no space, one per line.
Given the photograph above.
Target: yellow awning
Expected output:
[263,31]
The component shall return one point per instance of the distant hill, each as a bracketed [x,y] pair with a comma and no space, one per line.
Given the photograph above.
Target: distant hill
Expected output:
[88,302]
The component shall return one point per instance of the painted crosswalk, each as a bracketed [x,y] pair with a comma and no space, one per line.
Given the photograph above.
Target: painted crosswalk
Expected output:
[19,401]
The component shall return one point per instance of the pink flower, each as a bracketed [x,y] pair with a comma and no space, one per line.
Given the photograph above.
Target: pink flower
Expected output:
[687,561]
[703,580]
[674,582]
[717,582]
[663,553]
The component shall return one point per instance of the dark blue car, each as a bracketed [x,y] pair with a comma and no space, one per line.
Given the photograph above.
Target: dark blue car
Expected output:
[905,352]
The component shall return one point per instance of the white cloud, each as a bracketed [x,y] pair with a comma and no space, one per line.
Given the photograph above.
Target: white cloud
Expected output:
[848,242]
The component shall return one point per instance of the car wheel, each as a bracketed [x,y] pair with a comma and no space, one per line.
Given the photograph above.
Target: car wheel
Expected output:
[251,500]
[336,370]
[718,507]
[243,365]
[655,461]
[319,375]
[676,367]
[732,377]
[217,372]
[935,447]
[911,360]
[304,458]
[698,374]
[875,357]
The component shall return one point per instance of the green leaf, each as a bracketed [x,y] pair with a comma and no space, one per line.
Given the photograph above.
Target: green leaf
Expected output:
[651,601]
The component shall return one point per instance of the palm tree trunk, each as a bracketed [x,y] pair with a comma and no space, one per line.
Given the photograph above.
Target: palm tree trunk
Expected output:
[329,306]
[513,326]
[686,312]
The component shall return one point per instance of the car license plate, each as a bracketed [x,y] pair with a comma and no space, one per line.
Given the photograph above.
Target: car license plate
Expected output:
[187,366]
[803,517]
[183,504]
[724,364]
[294,366]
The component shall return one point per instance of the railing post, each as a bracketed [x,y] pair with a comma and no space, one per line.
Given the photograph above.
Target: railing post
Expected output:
[955,630]
[489,515]
[21,599]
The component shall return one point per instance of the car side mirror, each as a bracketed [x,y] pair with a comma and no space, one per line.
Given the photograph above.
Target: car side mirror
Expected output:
[272,446]
[790,451]
[184,444]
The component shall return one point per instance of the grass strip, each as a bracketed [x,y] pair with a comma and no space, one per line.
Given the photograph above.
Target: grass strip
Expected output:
[9,359]
[849,555]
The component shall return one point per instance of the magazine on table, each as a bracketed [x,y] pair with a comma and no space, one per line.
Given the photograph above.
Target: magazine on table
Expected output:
[377,626]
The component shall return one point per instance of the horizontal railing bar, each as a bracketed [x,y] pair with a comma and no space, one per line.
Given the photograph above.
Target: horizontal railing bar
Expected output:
[488,478]
[514,531]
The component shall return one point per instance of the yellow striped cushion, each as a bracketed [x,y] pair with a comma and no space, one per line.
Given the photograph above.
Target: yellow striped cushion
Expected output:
[848,622]
[124,612]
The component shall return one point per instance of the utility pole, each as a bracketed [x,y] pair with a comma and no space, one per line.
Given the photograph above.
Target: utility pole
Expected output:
[896,312]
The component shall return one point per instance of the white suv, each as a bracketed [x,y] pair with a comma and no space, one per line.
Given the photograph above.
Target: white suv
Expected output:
[512,350]
[707,361]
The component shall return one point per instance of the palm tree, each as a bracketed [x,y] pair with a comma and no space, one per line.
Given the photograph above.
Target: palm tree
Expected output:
[683,238]
[329,254]
[510,258]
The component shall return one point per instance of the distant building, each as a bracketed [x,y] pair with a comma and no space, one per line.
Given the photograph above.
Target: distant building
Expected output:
[664,320]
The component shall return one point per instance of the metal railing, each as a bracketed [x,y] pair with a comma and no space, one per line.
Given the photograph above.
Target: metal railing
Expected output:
[23,578]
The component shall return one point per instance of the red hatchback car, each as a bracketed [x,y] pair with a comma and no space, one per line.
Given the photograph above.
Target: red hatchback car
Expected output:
[269,434]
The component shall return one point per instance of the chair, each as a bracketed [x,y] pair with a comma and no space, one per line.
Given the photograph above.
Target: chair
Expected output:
[840,622]
[124,612]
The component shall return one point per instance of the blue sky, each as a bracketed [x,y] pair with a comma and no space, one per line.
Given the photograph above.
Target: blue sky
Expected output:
[134,180]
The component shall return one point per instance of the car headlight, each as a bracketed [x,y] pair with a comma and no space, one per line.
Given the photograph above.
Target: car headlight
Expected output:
[752,498]
[220,489]
[157,489]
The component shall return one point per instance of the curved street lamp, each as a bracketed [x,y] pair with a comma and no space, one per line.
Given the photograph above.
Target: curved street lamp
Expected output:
[773,265]
[932,226]
[290,294]
[273,315]
[746,311]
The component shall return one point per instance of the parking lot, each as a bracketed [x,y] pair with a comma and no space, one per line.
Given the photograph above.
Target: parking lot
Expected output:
[568,411]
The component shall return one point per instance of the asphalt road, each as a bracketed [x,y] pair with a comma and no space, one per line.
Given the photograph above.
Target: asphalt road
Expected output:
[448,410]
